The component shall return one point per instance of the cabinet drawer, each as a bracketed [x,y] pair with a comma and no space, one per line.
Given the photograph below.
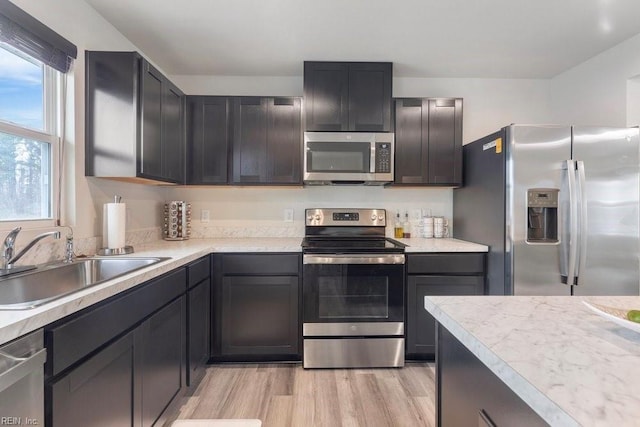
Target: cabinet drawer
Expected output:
[198,271]
[73,339]
[463,263]
[261,264]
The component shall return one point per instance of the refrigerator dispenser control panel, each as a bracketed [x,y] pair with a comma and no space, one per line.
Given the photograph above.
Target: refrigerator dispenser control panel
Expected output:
[542,215]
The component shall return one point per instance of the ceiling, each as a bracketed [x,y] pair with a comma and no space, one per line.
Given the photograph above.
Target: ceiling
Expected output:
[423,38]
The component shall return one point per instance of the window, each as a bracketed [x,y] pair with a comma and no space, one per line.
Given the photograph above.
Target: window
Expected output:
[29,106]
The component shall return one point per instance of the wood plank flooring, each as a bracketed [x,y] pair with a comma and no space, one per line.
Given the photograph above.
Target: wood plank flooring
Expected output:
[284,395]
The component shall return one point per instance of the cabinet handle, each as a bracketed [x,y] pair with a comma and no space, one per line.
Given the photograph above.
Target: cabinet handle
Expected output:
[484,420]
[445,102]
[283,101]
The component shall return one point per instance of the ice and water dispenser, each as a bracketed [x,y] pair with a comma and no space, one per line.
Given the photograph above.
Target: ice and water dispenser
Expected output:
[542,215]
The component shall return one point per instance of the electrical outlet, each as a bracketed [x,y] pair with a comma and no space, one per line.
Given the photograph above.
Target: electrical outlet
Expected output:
[288,215]
[204,215]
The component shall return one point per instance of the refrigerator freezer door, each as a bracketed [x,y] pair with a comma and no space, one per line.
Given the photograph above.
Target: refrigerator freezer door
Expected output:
[536,158]
[611,158]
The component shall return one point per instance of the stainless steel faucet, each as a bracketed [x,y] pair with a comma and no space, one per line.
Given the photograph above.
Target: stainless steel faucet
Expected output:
[8,259]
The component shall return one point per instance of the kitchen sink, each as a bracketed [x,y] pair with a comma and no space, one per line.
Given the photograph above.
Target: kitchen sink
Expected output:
[36,287]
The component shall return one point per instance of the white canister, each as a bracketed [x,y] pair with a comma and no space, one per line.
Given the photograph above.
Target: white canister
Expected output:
[427,227]
[440,227]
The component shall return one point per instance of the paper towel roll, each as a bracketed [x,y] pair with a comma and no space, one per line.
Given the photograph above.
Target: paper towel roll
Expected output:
[115,220]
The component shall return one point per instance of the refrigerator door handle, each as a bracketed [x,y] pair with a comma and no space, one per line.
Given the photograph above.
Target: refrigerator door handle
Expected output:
[582,235]
[570,247]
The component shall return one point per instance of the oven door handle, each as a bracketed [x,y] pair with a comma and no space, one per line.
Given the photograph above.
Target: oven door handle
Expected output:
[353,259]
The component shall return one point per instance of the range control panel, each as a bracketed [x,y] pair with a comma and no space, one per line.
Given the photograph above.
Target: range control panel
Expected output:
[345,217]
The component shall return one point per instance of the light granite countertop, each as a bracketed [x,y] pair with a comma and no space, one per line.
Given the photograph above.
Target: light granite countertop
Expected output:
[14,323]
[570,365]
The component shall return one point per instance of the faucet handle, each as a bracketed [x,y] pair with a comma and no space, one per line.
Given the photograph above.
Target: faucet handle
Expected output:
[10,240]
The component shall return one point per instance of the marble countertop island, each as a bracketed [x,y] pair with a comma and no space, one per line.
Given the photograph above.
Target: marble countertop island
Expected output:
[570,365]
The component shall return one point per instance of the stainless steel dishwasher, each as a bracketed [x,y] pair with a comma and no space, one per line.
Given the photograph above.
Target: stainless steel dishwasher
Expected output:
[22,380]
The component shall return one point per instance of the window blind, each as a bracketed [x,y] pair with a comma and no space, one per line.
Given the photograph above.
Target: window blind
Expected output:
[25,33]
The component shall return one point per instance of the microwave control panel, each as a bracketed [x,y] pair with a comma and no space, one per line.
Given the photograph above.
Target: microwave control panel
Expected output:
[383,157]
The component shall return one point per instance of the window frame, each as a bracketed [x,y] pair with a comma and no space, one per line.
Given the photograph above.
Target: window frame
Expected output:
[52,117]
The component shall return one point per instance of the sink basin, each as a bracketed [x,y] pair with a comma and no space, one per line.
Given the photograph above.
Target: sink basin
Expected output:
[36,287]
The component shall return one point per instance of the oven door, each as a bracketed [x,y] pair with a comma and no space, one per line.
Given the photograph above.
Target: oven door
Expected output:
[353,288]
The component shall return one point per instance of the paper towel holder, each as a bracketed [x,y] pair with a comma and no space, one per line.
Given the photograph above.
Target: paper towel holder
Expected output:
[115,251]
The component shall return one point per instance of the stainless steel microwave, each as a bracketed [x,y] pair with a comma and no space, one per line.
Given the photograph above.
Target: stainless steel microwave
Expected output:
[348,158]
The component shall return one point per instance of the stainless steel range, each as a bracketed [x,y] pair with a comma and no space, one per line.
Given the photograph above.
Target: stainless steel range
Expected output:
[353,290]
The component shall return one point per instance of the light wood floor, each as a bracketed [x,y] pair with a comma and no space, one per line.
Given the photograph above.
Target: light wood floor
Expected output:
[287,395]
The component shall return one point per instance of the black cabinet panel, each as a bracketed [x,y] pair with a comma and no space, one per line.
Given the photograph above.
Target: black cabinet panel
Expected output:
[173,163]
[199,321]
[436,274]
[70,339]
[198,271]
[151,110]
[208,139]
[249,140]
[259,315]
[255,307]
[99,392]
[370,97]
[134,119]
[348,96]
[469,393]
[284,140]
[267,140]
[159,342]
[326,96]
[421,326]
[446,263]
[428,141]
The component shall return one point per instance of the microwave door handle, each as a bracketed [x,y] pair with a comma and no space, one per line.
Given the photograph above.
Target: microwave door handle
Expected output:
[372,160]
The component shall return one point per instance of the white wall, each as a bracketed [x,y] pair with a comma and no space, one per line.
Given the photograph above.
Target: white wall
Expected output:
[596,91]
[489,104]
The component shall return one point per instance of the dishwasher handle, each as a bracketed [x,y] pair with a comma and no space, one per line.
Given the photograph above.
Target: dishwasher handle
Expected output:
[26,366]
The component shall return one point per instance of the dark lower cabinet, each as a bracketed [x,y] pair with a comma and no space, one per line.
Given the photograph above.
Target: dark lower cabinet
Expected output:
[120,362]
[198,319]
[256,307]
[469,394]
[98,391]
[158,367]
[436,274]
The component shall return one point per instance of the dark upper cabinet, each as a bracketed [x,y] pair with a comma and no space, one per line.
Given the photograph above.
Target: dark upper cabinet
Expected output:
[267,140]
[428,135]
[134,121]
[348,96]
[208,139]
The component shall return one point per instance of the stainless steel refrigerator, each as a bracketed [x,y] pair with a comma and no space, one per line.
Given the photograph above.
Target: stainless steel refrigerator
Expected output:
[557,205]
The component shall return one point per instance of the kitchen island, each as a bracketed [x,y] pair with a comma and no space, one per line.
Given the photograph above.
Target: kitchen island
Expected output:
[567,364]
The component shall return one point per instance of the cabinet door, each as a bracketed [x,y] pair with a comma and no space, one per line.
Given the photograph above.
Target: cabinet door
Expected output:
[98,392]
[326,96]
[199,319]
[208,139]
[249,140]
[412,149]
[259,315]
[284,141]
[172,133]
[150,151]
[421,326]
[469,394]
[159,344]
[370,97]
[444,130]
